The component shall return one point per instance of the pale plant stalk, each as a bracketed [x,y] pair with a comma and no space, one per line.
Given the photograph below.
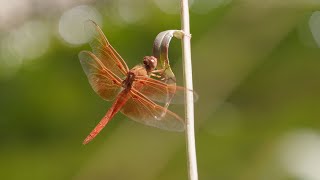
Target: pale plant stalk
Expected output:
[189,110]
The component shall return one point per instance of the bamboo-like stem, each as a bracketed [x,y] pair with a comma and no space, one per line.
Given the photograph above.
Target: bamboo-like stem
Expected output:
[189,109]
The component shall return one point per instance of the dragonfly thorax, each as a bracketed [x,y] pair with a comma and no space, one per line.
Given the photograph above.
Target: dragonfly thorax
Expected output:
[127,83]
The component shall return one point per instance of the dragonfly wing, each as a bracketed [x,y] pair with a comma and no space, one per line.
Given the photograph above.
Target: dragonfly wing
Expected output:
[139,108]
[161,92]
[102,80]
[104,51]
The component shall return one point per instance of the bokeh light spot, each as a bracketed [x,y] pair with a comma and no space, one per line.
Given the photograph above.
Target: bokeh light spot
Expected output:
[305,35]
[10,61]
[299,154]
[13,10]
[31,40]
[132,11]
[71,24]
[314,24]
[27,42]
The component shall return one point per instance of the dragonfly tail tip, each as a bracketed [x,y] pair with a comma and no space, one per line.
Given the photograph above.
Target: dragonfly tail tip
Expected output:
[86,141]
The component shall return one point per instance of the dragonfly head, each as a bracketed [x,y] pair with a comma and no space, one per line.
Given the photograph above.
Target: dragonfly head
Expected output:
[150,63]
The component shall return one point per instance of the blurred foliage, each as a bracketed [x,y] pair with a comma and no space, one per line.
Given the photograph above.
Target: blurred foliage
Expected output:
[257,79]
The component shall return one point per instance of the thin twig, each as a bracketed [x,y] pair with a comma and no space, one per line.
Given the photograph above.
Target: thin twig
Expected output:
[186,56]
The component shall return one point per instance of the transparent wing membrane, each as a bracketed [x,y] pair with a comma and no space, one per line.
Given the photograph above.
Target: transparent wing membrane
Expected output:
[104,51]
[162,92]
[141,109]
[101,79]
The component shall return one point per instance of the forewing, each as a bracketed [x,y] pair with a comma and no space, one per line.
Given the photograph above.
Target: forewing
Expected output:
[104,51]
[102,80]
[162,92]
[141,109]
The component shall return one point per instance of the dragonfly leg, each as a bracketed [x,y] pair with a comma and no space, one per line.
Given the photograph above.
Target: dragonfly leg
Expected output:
[155,75]
[160,71]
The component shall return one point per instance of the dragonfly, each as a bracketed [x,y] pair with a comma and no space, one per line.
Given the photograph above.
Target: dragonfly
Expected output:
[134,91]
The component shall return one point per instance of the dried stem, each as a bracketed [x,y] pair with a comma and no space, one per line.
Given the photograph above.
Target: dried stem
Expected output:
[187,66]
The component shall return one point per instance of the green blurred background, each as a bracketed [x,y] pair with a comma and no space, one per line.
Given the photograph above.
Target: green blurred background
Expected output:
[256,68]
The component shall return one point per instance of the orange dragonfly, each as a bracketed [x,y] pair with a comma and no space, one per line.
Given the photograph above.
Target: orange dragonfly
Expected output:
[134,91]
